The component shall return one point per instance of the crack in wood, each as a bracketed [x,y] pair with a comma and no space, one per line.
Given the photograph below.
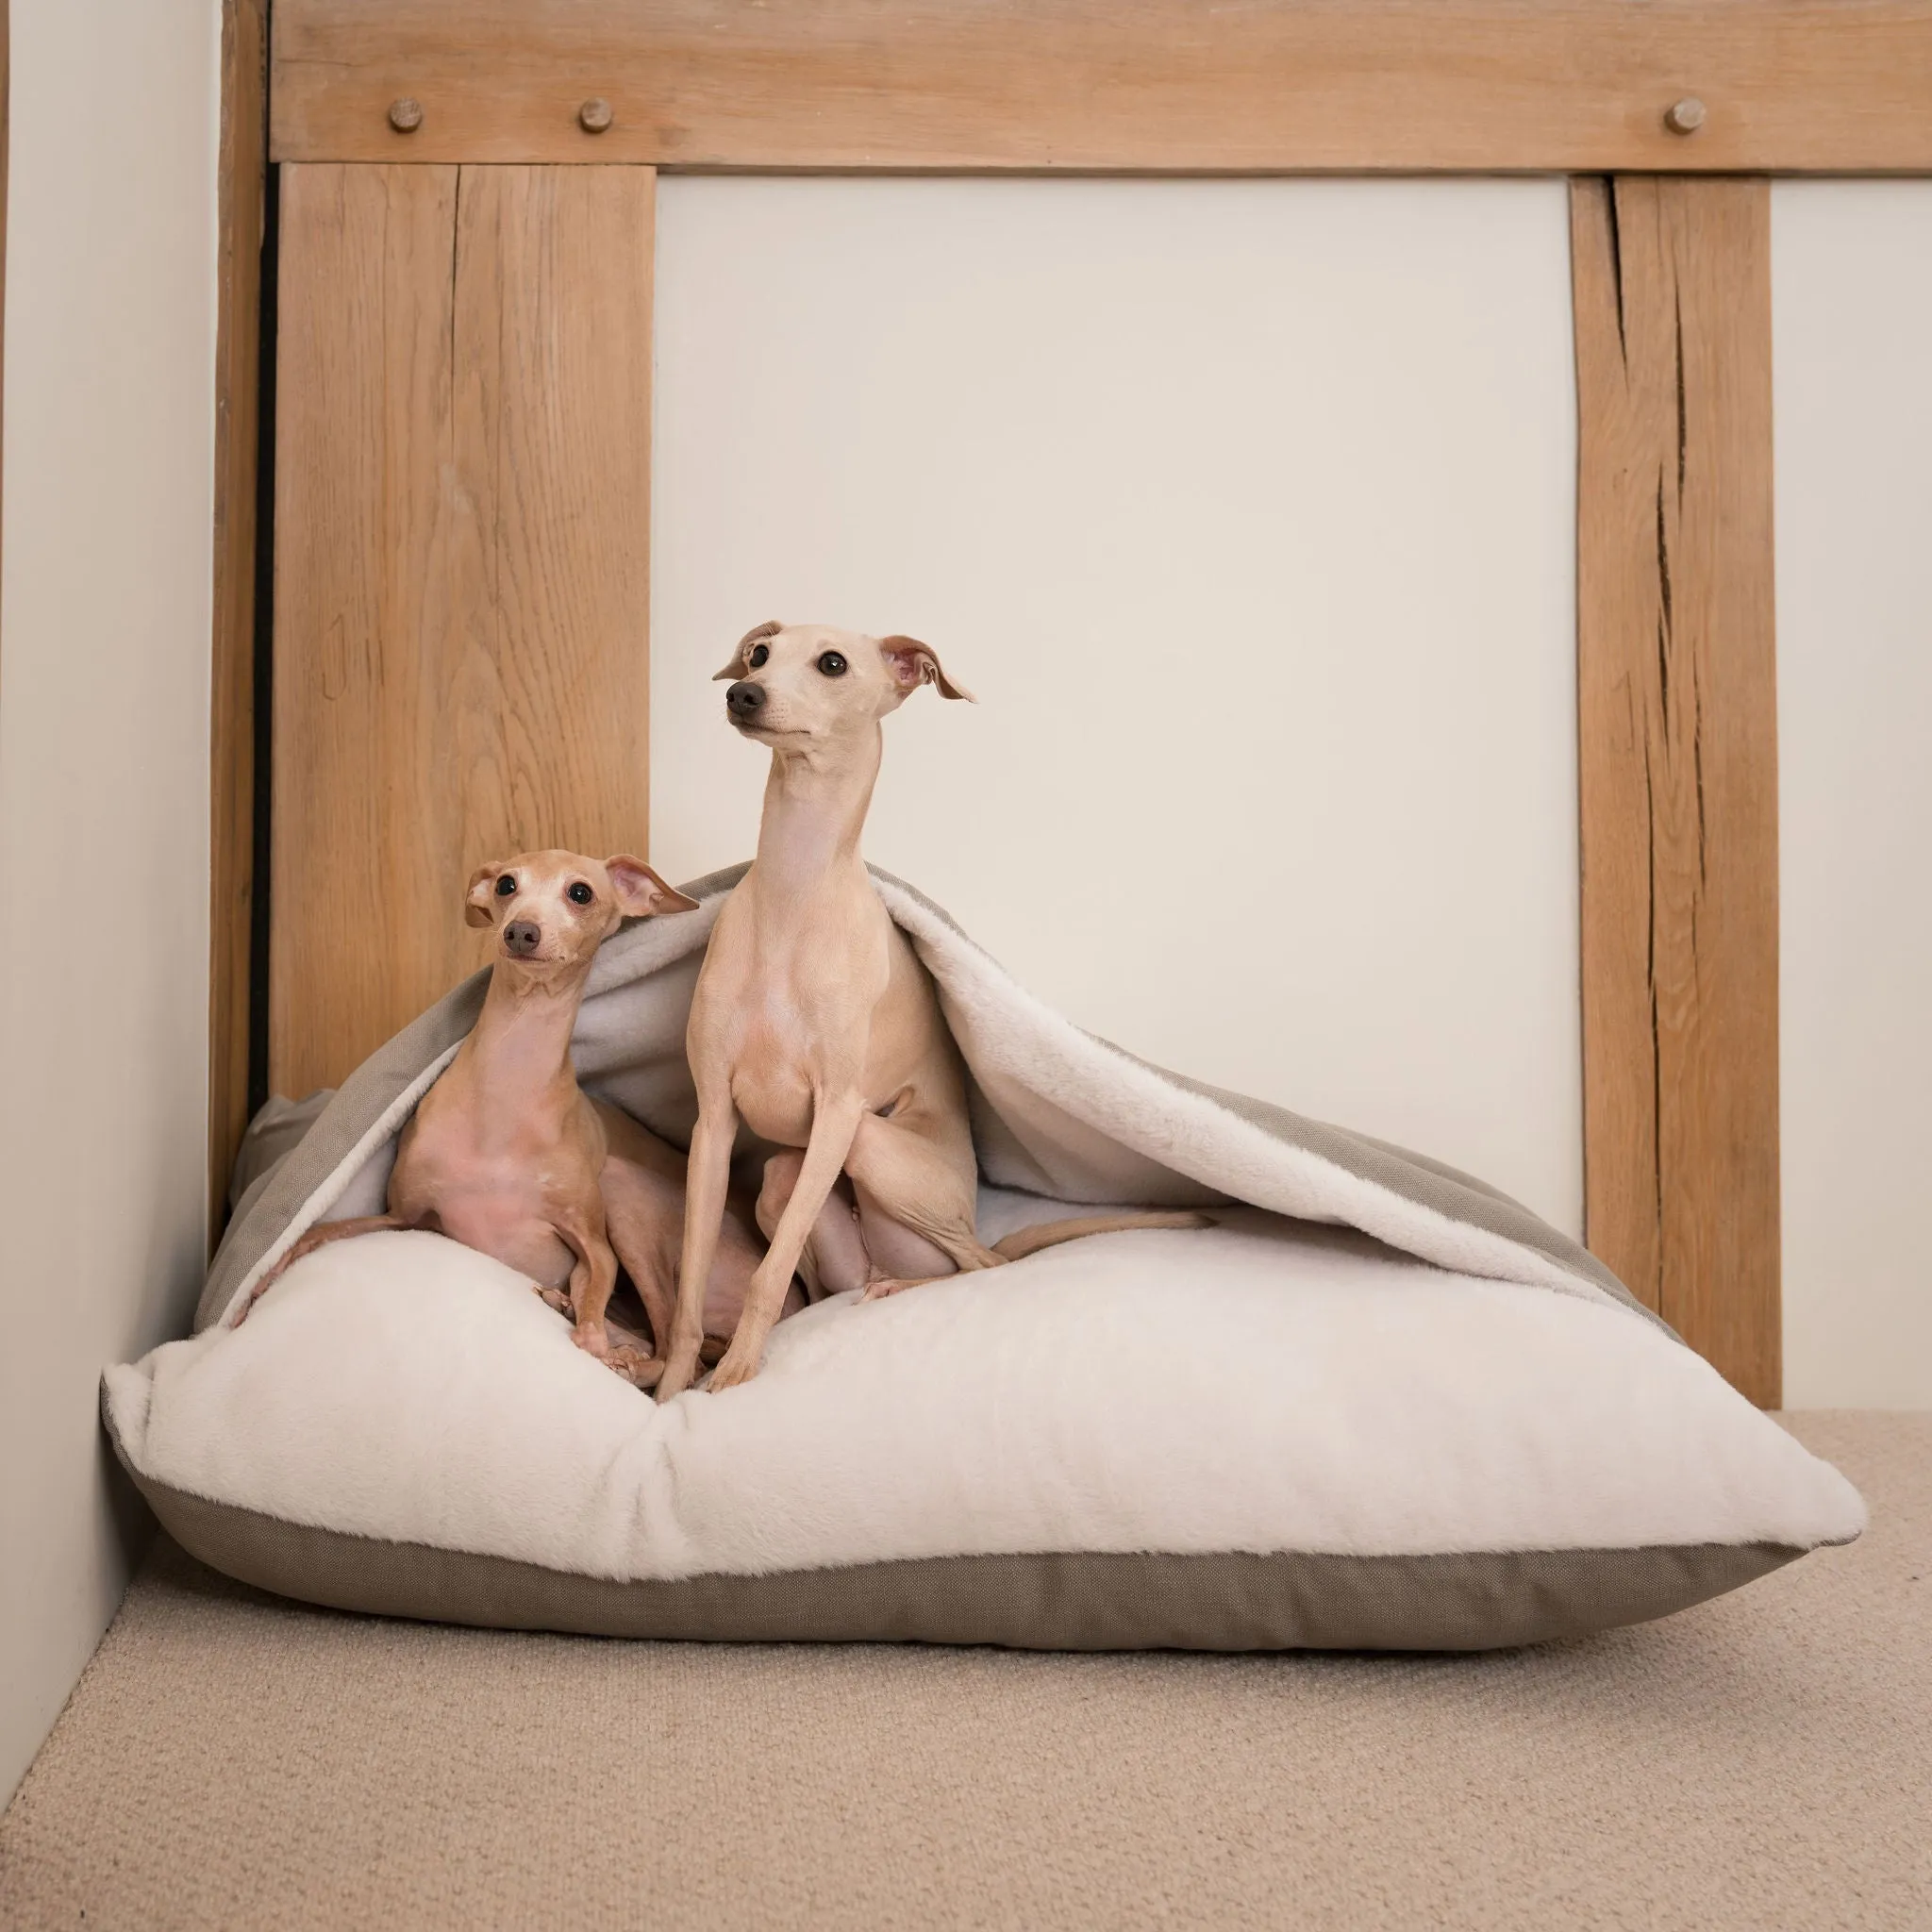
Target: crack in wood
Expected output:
[1616,233]
[1697,762]
[455,237]
[1683,433]
[1656,1051]
[1666,613]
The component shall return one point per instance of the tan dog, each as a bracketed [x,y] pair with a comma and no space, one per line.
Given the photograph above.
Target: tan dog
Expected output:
[508,1155]
[814,1021]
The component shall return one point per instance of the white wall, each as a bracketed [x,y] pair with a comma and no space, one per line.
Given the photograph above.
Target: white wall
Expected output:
[104,784]
[1852,316]
[1247,510]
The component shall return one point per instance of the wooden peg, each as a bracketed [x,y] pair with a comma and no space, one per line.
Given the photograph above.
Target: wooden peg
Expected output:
[406,115]
[594,116]
[1685,116]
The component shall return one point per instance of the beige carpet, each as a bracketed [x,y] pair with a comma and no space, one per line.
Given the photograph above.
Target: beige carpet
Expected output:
[1764,1761]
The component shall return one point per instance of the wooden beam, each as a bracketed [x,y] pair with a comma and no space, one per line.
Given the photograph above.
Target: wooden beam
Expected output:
[1272,85]
[461,611]
[243,181]
[363,382]
[1676,693]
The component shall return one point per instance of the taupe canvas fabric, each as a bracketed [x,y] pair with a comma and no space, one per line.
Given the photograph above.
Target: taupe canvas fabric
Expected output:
[271,1197]
[1070,1600]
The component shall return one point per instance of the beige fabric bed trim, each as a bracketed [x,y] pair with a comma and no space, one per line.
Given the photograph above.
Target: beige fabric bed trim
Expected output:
[1065,1601]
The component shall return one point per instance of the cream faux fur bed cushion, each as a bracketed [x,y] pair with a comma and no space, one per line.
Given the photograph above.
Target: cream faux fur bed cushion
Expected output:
[1381,1404]
[1271,1435]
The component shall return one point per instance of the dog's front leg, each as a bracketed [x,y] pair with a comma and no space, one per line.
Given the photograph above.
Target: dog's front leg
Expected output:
[707,1186]
[834,1121]
[643,1215]
[591,1281]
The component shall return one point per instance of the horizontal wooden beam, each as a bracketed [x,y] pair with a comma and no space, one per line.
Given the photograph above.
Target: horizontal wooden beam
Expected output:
[1165,85]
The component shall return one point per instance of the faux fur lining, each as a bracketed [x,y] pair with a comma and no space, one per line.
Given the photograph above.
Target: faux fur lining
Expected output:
[1056,1110]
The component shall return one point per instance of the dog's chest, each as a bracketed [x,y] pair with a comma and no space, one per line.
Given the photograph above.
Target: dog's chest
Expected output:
[775,1102]
[789,1021]
[780,1060]
[514,1232]
[499,1202]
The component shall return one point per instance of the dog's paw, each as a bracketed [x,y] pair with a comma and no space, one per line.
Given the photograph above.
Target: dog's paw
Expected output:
[554,1298]
[736,1365]
[591,1338]
[878,1291]
[640,1370]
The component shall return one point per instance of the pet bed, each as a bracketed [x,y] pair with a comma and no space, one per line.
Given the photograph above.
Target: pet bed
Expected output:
[1378,1406]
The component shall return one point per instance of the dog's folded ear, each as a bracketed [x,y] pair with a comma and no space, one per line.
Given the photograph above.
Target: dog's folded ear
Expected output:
[737,667]
[482,889]
[641,892]
[912,664]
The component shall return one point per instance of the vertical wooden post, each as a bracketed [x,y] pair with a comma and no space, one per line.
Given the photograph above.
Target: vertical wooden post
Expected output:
[242,180]
[1676,690]
[462,600]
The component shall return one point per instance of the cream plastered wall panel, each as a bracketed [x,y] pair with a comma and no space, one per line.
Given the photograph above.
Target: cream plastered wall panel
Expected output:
[1247,510]
[104,783]
[1852,321]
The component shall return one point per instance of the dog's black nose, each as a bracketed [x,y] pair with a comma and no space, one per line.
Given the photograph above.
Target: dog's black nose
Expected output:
[744,699]
[522,936]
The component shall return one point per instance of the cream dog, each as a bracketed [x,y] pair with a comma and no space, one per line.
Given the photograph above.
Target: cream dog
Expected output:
[508,1155]
[815,1023]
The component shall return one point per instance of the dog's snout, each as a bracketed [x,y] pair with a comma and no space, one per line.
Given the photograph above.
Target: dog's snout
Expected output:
[522,936]
[746,699]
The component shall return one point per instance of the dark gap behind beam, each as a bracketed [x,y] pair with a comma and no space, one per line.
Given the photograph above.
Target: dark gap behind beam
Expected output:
[264,649]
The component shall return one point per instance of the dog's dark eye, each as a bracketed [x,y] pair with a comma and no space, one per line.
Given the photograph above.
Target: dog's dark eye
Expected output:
[760,653]
[505,885]
[580,895]
[832,665]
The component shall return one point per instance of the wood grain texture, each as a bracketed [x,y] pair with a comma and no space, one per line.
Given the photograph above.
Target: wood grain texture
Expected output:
[362,849]
[461,591]
[1678,756]
[1160,85]
[243,173]
[553,465]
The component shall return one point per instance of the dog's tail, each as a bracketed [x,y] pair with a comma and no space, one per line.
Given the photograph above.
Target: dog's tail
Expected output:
[1050,1234]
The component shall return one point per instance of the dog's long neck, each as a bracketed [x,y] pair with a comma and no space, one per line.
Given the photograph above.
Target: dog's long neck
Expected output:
[521,1044]
[815,808]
